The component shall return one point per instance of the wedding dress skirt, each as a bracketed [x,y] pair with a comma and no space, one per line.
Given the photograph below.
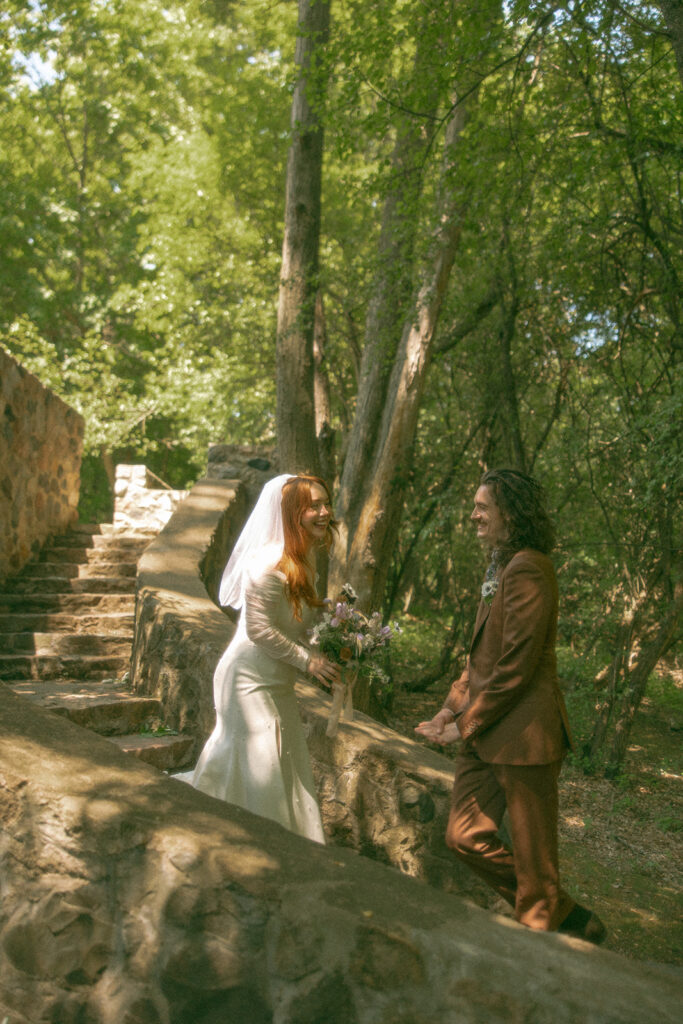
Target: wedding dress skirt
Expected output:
[257,756]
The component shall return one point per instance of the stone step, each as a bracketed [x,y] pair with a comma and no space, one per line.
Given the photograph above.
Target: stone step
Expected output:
[71,603]
[82,570]
[126,538]
[105,707]
[120,623]
[113,553]
[167,753]
[18,667]
[102,534]
[65,643]
[57,585]
[91,528]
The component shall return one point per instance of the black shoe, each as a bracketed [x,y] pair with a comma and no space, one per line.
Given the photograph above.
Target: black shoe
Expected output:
[583,924]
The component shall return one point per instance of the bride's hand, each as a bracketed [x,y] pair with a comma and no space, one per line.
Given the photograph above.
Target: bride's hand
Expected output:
[325,671]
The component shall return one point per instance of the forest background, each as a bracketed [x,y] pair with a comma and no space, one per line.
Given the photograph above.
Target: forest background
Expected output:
[497,281]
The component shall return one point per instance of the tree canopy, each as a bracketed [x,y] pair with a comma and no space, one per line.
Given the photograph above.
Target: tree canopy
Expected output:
[498,278]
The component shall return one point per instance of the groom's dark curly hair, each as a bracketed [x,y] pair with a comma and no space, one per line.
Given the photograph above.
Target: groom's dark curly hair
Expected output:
[522,504]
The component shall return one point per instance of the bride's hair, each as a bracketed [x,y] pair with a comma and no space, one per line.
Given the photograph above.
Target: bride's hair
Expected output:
[296,498]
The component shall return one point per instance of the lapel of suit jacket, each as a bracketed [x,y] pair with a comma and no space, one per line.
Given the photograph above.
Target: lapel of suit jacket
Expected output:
[482,615]
[484,609]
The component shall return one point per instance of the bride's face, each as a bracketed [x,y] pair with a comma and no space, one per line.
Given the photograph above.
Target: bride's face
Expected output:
[316,517]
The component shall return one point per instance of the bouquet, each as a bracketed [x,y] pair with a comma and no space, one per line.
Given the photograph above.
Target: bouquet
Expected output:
[355,642]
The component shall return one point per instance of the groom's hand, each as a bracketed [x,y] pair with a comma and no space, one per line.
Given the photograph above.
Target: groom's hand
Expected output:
[440,729]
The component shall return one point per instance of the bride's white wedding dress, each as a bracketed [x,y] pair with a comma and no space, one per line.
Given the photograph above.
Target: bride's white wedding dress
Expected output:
[257,756]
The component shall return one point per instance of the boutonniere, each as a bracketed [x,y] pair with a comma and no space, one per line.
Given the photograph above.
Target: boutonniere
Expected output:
[490,584]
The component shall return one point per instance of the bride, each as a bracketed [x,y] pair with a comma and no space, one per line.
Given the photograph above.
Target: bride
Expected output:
[257,756]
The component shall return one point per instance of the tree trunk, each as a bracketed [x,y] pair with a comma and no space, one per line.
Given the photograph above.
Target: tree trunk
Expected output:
[672,12]
[637,683]
[390,297]
[606,707]
[109,467]
[296,428]
[512,431]
[382,484]
[321,392]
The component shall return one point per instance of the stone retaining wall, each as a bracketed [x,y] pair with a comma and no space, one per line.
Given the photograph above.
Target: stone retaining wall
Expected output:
[180,633]
[141,500]
[41,441]
[253,466]
[130,898]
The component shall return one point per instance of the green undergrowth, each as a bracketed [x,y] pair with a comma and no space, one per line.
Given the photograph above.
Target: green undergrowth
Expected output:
[417,648]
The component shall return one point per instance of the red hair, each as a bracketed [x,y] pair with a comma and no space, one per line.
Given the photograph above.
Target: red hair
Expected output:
[296,498]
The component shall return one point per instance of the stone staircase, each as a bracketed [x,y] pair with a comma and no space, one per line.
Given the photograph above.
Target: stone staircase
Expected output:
[66,632]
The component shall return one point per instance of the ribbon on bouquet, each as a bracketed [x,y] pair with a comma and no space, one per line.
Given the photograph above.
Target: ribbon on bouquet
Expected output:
[342,700]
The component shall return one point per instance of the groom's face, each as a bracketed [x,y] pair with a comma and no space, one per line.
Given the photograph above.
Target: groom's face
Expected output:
[488,521]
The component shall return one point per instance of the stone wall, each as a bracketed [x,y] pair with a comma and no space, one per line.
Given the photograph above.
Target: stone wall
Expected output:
[381,794]
[253,466]
[180,633]
[141,500]
[41,441]
[130,898]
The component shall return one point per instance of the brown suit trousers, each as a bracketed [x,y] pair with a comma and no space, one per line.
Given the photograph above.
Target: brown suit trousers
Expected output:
[528,878]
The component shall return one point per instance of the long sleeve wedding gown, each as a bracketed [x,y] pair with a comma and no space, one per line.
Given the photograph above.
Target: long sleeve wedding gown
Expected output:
[257,756]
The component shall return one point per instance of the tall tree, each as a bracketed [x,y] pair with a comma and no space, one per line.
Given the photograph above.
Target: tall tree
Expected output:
[381,483]
[393,282]
[420,236]
[296,421]
[672,11]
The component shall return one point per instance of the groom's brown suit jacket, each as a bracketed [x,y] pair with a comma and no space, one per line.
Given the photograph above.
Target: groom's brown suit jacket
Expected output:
[508,703]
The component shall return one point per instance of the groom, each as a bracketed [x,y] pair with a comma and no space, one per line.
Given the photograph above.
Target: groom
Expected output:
[508,710]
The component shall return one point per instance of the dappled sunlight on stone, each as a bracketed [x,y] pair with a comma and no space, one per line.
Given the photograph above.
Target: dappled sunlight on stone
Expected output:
[33,751]
[123,888]
[246,857]
[101,812]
